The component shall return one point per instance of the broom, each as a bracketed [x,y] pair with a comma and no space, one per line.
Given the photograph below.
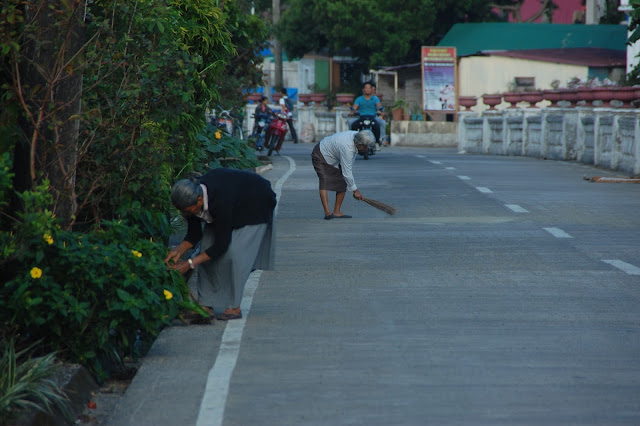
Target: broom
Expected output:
[388,209]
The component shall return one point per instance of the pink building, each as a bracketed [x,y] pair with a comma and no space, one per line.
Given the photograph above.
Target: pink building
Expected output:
[562,15]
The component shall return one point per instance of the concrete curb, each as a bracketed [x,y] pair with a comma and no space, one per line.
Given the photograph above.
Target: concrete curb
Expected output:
[262,169]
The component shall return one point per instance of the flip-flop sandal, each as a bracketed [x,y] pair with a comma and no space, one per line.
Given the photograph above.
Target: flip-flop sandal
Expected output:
[344,216]
[227,317]
[329,217]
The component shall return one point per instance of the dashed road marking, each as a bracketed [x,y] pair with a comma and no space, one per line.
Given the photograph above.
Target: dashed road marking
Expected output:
[557,232]
[516,208]
[421,156]
[434,162]
[464,177]
[484,189]
[449,168]
[623,266]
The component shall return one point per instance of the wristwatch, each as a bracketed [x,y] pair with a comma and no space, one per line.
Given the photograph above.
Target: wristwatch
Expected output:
[191,265]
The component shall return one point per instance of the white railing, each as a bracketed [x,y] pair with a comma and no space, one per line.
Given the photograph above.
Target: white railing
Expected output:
[605,137]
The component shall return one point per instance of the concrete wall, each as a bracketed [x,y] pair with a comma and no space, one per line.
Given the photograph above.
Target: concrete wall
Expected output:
[424,133]
[605,137]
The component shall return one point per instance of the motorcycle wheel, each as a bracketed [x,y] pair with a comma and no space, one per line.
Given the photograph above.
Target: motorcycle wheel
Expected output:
[366,154]
[273,143]
[237,133]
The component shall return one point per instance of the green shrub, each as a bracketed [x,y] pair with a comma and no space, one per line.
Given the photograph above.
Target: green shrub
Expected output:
[218,149]
[86,296]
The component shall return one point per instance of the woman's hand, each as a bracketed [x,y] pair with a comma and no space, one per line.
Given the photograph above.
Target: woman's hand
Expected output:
[176,253]
[357,195]
[173,255]
[182,266]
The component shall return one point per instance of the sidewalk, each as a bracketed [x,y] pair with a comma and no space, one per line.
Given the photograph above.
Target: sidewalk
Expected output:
[171,380]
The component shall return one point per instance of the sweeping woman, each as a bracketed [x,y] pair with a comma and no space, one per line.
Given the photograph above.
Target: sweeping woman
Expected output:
[333,159]
[231,213]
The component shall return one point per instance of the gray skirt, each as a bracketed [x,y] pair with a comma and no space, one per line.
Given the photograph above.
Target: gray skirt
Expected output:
[330,177]
[220,283]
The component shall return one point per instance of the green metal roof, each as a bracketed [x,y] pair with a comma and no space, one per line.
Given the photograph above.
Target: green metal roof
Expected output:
[470,39]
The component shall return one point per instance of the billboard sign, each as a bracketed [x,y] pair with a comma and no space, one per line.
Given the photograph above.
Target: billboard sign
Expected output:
[439,78]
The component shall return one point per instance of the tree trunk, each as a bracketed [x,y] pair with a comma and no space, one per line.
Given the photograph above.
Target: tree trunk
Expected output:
[51,88]
[277,49]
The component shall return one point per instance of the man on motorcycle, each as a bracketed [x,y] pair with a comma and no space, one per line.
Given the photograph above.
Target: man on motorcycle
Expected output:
[333,159]
[367,104]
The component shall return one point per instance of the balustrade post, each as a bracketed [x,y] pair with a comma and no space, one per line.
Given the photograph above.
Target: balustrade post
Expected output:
[513,131]
[623,141]
[532,133]
[570,133]
[342,123]
[603,137]
[247,125]
[493,132]
[470,132]
[585,136]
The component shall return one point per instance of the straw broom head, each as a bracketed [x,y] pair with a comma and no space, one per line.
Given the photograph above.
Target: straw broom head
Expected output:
[388,209]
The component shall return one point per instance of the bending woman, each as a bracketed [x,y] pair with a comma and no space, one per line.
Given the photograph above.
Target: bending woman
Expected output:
[231,213]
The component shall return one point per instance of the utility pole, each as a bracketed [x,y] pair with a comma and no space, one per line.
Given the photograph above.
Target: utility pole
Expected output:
[277,47]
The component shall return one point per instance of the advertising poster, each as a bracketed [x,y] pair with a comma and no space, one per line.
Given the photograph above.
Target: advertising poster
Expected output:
[439,78]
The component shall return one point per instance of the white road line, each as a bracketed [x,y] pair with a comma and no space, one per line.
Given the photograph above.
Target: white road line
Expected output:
[516,208]
[557,232]
[624,266]
[434,162]
[464,177]
[484,189]
[215,394]
[421,156]
[449,168]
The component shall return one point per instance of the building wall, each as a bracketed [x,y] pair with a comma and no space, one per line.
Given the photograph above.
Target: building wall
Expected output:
[492,74]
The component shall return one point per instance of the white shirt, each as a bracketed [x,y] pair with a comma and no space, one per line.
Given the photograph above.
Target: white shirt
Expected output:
[204,214]
[339,149]
[283,104]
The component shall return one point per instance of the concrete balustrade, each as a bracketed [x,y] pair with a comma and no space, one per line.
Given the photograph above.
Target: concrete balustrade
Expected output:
[605,137]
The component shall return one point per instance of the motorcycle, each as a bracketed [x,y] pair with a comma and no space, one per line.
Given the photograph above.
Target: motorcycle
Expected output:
[227,122]
[276,132]
[366,122]
[260,127]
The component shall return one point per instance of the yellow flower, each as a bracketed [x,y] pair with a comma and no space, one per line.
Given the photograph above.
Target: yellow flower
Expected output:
[136,253]
[48,238]
[218,134]
[36,273]
[168,295]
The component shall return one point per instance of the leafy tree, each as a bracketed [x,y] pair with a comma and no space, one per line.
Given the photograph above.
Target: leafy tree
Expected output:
[249,36]
[634,76]
[379,33]
[105,109]
[144,72]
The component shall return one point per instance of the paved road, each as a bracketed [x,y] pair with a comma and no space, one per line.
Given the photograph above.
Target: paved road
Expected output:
[505,291]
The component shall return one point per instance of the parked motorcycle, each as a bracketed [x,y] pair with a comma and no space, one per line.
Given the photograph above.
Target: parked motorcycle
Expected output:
[366,122]
[276,132]
[227,122]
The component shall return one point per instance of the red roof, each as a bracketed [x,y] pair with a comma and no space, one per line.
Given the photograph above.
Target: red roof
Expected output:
[586,56]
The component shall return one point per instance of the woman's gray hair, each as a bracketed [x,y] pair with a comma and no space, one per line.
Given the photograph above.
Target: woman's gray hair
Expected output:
[364,137]
[185,193]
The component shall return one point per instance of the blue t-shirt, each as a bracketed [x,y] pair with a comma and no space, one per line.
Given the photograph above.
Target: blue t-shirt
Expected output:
[367,107]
